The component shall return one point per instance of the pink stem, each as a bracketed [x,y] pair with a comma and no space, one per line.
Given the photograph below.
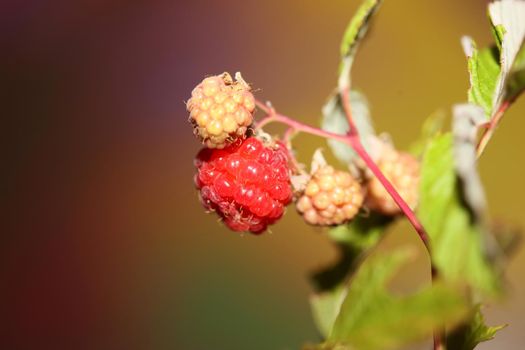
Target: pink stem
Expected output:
[355,143]
[351,139]
[409,213]
[489,131]
[298,126]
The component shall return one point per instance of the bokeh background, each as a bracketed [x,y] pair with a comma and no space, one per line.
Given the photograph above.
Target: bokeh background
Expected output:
[103,242]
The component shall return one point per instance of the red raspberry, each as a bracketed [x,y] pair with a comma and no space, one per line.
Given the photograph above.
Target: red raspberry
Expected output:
[247,184]
[221,110]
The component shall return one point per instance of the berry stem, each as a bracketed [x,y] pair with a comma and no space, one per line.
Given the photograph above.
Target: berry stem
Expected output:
[363,154]
[491,127]
[351,139]
[273,117]
[354,141]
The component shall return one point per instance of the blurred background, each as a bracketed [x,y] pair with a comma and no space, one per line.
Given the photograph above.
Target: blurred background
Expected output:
[104,244]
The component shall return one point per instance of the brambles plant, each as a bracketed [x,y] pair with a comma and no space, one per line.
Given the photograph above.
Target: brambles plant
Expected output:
[248,178]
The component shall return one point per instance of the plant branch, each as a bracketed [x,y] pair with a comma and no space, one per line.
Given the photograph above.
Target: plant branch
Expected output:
[351,139]
[273,117]
[355,143]
[491,127]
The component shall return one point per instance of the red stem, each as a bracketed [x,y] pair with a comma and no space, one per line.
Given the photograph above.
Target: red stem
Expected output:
[353,140]
[298,126]
[407,211]
[489,131]
[355,143]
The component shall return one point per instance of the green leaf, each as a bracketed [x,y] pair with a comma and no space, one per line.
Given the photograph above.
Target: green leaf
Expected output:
[431,127]
[353,240]
[367,290]
[354,33]
[497,74]
[484,71]
[475,331]
[334,120]
[370,317]
[498,32]
[327,347]
[363,232]
[457,249]
[325,308]
[468,118]
[357,27]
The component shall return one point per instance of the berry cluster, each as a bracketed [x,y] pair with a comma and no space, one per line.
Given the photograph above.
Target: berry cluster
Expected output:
[221,110]
[247,181]
[331,197]
[247,184]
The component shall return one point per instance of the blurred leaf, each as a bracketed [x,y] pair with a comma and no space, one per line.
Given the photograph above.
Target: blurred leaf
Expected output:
[358,26]
[363,232]
[508,237]
[325,308]
[366,291]
[333,275]
[467,118]
[516,81]
[508,21]
[431,127]
[484,70]
[354,33]
[372,318]
[327,347]
[353,240]
[334,120]
[474,332]
[457,247]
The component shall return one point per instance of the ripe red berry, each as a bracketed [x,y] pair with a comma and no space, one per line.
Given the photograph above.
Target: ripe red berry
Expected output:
[247,183]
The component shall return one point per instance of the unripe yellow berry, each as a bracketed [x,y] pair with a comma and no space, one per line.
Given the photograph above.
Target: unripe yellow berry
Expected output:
[331,197]
[221,110]
[402,170]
